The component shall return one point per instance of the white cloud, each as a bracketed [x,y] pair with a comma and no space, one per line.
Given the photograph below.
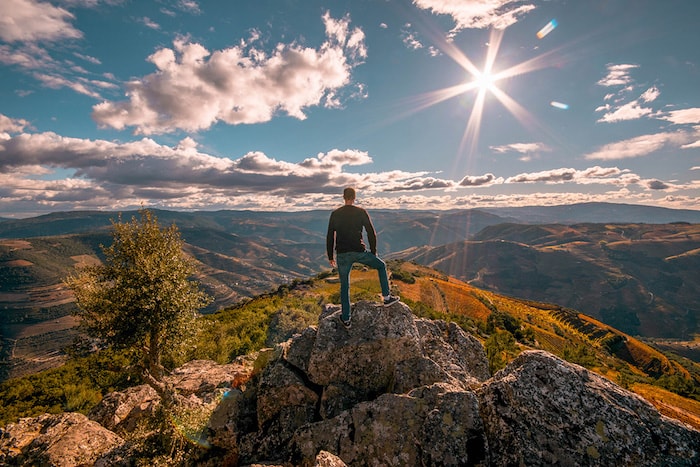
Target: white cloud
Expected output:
[11,125]
[146,166]
[693,145]
[683,116]
[522,148]
[88,58]
[100,174]
[480,180]
[149,23]
[592,175]
[631,110]
[32,21]
[618,75]
[189,6]
[28,57]
[478,14]
[639,146]
[195,88]
[421,183]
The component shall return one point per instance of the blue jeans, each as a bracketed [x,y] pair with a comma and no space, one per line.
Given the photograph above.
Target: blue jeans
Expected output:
[345,262]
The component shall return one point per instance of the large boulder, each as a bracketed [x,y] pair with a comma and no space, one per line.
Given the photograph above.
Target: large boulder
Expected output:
[67,439]
[202,383]
[327,370]
[431,425]
[541,410]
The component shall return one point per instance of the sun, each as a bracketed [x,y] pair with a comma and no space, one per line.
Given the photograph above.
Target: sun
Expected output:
[481,82]
[485,81]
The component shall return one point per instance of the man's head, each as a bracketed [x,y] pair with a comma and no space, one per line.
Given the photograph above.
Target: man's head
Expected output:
[349,194]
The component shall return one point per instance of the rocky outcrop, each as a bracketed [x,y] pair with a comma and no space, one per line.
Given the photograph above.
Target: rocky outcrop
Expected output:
[397,390]
[64,440]
[394,390]
[201,382]
[541,410]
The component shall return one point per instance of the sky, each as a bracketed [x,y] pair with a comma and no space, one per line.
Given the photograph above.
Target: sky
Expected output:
[277,105]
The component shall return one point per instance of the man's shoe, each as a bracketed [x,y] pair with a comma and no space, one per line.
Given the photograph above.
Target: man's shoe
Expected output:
[391,300]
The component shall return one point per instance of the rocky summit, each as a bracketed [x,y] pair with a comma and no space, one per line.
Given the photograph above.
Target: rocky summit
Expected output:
[391,390]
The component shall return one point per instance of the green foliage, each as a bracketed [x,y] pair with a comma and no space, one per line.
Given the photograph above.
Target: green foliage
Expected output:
[580,354]
[76,386]
[679,384]
[500,320]
[500,349]
[402,275]
[422,310]
[289,321]
[141,297]
[249,327]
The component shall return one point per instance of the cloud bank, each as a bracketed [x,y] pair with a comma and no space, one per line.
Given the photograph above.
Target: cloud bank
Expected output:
[194,88]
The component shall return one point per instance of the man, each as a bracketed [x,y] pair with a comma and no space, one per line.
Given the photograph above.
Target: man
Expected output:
[345,234]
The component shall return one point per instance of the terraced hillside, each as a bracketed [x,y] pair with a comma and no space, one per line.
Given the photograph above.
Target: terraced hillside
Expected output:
[639,278]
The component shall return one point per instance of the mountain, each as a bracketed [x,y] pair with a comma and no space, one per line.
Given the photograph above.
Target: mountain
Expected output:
[597,213]
[639,278]
[243,253]
[239,253]
[394,389]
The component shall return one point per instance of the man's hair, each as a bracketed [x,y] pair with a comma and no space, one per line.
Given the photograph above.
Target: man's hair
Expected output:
[349,193]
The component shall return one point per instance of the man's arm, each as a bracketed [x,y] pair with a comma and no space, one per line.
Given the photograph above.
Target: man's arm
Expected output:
[371,234]
[330,241]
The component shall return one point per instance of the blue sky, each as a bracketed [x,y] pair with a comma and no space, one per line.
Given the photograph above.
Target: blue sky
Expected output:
[279,104]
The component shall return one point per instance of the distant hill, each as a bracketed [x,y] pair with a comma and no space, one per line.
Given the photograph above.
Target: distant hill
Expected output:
[640,278]
[442,226]
[597,213]
[245,253]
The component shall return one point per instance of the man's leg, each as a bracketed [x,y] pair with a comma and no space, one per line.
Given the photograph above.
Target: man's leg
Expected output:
[344,261]
[373,261]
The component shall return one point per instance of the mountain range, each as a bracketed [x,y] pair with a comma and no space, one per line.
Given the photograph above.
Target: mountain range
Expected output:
[639,278]
[633,269]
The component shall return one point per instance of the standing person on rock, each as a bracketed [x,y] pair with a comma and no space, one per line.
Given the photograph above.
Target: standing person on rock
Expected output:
[345,236]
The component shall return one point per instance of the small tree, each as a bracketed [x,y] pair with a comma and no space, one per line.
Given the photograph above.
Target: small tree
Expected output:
[141,297]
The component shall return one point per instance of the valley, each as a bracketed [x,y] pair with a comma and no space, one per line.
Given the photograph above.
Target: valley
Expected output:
[639,278]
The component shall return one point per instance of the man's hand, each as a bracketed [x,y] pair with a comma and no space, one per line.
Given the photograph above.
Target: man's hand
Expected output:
[333,264]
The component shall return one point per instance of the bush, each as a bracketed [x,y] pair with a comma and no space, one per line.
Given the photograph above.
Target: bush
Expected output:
[76,386]
[500,349]
[403,276]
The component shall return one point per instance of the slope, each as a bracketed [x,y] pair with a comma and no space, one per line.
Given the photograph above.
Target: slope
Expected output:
[639,278]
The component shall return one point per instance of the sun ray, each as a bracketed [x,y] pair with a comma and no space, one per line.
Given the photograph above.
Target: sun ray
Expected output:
[485,81]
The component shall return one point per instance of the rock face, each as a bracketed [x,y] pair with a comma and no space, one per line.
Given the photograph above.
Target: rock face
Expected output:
[397,390]
[67,439]
[393,390]
[201,381]
[541,410]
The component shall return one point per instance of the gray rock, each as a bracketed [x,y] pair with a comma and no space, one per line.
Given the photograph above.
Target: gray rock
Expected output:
[435,425]
[397,390]
[393,390]
[541,410]
[122,411]
[202,383]
[67,439]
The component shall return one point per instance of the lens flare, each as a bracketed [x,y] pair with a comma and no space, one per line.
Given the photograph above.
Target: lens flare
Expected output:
[559,105]
[549,27]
